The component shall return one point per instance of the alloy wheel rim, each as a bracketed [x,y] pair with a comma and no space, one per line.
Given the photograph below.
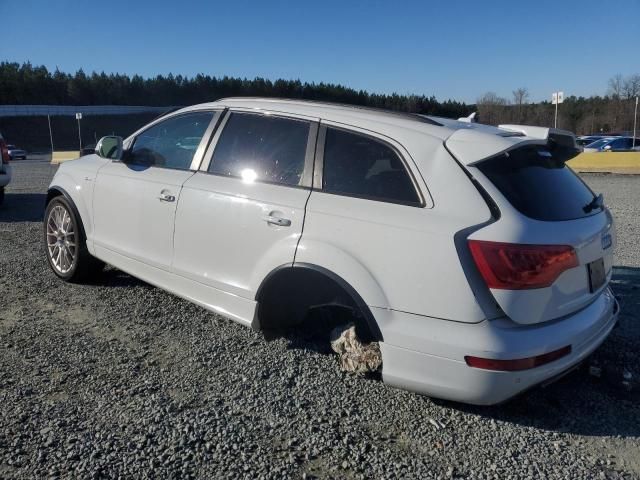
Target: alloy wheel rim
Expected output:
[61,239]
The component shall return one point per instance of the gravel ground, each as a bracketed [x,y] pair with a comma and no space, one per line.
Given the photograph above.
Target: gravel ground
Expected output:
[120,379]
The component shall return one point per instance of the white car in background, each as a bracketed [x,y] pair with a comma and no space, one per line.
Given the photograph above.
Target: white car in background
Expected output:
[478,260]
[5,168]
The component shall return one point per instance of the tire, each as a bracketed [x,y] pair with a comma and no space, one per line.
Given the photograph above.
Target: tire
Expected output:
[65,243]
[1,195]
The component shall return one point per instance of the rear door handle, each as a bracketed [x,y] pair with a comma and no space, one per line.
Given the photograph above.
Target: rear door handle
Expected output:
[281,222]
[165,197]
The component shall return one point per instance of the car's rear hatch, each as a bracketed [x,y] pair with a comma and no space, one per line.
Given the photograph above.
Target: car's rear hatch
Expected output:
[549,252]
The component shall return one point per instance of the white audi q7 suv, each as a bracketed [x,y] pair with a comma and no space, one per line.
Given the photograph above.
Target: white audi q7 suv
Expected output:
[473,254]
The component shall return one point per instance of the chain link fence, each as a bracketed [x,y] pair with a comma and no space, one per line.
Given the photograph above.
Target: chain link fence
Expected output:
[32,133]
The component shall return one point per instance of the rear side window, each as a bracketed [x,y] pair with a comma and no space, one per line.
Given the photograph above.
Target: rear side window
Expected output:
[361,166]
[538,185]
[171,143]
[262,148]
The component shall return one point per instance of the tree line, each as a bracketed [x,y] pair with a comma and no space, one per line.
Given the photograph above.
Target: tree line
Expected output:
[35,85]
[26,84]
[611,113]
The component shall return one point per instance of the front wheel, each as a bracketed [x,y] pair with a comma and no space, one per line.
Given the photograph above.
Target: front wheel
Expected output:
[65,245]
[1,195]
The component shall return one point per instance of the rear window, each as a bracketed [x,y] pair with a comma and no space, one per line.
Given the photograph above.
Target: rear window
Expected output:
[539,186]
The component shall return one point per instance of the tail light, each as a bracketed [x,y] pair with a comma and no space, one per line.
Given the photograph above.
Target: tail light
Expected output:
[5,152]
[510,266]
[518,363]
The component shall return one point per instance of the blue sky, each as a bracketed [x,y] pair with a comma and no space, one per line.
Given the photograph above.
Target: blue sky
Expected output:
[452,49]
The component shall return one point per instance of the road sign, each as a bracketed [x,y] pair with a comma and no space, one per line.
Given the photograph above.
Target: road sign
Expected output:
[78,116]
[557,97]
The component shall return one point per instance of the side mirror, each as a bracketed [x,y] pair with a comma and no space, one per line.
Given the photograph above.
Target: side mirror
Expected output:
[110,147]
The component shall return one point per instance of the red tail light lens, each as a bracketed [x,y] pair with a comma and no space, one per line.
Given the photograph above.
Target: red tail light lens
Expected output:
[511,266]
[519,363]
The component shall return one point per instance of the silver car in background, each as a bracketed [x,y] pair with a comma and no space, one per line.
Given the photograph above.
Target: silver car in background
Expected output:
[16,153]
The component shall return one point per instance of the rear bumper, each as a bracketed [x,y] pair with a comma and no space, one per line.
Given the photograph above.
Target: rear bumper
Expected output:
[426,355]
[5,177]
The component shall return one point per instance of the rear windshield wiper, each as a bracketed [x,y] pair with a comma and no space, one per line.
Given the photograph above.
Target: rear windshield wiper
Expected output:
[596,203]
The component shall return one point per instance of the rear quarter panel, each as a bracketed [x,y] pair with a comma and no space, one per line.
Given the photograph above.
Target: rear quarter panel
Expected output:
[402,257]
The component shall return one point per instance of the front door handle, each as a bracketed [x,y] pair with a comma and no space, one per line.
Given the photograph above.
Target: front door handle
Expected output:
[281,222]
[165,197]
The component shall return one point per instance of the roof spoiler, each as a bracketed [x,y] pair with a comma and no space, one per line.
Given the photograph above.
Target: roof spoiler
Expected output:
[470,146]
[560,137]
[562,142]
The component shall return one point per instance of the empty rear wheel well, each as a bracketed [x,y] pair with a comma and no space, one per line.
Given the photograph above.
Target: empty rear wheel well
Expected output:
[288,294]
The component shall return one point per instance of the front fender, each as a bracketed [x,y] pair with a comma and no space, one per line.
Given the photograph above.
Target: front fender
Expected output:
[77,178]
[344,265]
[75,193]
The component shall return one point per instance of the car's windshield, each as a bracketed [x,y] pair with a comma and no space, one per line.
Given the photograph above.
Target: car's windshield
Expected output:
[599,143]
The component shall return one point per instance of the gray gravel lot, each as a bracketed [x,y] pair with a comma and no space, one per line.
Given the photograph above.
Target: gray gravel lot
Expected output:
[120,379]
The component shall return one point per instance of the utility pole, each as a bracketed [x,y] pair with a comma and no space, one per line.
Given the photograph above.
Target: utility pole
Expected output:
[50,134]
[79,117]
[635,122]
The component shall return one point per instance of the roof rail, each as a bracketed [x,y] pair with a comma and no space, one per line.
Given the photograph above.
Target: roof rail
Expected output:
[397,113]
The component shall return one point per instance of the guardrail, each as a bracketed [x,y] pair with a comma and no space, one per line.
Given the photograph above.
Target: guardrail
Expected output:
[59,157]
[613,162]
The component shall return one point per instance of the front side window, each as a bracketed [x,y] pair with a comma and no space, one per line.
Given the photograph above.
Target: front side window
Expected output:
[262,148]
[171,143]
[360,166]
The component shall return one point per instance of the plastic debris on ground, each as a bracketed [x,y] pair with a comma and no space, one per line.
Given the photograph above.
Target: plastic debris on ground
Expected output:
[354,355]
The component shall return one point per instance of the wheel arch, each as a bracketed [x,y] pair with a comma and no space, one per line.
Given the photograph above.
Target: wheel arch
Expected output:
[310,275]
[57,191]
